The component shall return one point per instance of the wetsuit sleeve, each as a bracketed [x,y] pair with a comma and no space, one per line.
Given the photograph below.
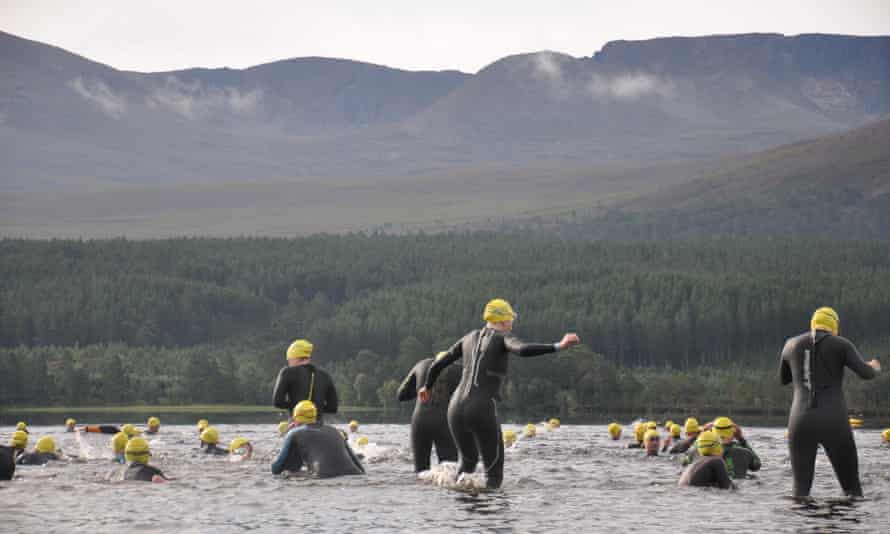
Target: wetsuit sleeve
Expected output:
[454,353]
[279,396]
[721,475]
[354,458]
[857,364]
[408,388]
[331,402]
[784,367]
[281,461]
[520,348]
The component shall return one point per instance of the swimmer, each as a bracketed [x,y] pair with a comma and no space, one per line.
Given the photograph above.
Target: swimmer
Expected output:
[130,430]
[692,431]
[240,449]
[70,425]
[300,380]
[509,438]
[531,430]
[153,426]
[739,456]
[210,442]
[652,441]
[100,429]
[7,462]
[885,437]
[429,421]
[19,443]
[202,426]
[814,362]
[318,447]
[554,423]
[472,412]
[119,447]
[614,431]
[44,451]
[710,468]
[353,426]
[137,454]
[639,433]
[23,427]
[672,437]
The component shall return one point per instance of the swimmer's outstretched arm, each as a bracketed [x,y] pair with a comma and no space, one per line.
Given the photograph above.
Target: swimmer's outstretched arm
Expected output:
[452,355]
[857,364]
[784,367]
[520,348]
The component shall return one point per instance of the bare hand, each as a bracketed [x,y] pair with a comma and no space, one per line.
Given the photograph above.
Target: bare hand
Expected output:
[875,364]
[569,340]
[424,395]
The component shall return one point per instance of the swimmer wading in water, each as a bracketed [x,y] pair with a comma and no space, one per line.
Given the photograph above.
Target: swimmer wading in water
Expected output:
[472,411]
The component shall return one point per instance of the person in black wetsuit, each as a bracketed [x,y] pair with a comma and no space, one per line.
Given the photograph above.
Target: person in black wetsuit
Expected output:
[322,449]
[137,453]
[210,442]
[814,362]
[44,451]
[429,422]
[7,463]
[301,380]
[472,412]
[639,433]
[101,429]
[692,431]
[18,443]
[737,452]
[710,468]
[652,442]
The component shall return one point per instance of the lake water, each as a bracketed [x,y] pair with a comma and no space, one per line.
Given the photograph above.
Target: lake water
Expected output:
[573,479]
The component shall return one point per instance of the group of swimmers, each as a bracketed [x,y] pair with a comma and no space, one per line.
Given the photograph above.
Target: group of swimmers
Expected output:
[456,412]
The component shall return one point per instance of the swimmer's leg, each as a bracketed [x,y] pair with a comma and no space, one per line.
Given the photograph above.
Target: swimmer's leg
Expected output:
[445,448]
[463,438]
[841,451]
[802,448]
[491,445]
[421,446]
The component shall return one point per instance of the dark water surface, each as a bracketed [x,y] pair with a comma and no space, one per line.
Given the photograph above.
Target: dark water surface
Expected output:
[573,479]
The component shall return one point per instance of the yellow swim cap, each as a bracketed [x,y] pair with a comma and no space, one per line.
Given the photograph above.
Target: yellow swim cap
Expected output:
[299,349]
[668,423]
[119,442]
[305,412]
[202,424]
[237,443]
[675,430]
[639,431]
[554,423]
[210,435]
[691,426]
[825,319]
[21,426]
[130,430]
[19,439]
[614,429]
[724,427]
[70,422]
[531,430]
[137,450]
[154,421]
[353,424]
[498,310]
[509,437]
[362,441]
[46,444]
[708,444]
[650,434]
[282,427]
[885,436]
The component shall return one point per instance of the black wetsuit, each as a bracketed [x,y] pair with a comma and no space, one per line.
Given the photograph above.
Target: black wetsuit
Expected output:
[472,412]
[819,411]
[707,471]
[683,446]
[294,383]
[36,458]
[429,422]
[7,463]
[321,449]
[635,445]
[142,472]
[739,456]
[102,429]
[214,449]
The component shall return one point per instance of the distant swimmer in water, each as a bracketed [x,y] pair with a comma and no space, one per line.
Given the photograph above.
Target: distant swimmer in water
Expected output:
[44,451]
[554,423]
[885,438]
[210,442]
[119,447]
[137,455]
[509,438]
[7,462]
[301,380]
[652,442]
[709,469]
[153,426]
[100,429]
[692,431]
[472,412]
[353,426]
[21,425]
[202,426]
[70,424]
[738,454]
[321,449]
[530,430]
[429,421]
[240,449]
[19,443]
[814,362]
[639,433]
[672,438]
[614,430]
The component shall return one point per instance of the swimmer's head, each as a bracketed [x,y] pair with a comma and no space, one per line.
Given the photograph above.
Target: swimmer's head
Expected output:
[241,447]
[362,441]
[667,425]
[299,351]
[554,423]
[509,438]
[675,430]
[531,430]
[305,412]
[154,424]
[651,425]
[282,427]
[19,439]
[708,444]
[885,436]
[210,436]
[137,450]
[21,426]
[353,426]
[69,424]
[614,430]
[130,430]
[725,428]
[499,312]
[119,442]
[691,427]
[202,425]
[652,440]
[825,319]
[639,431]
[46,444]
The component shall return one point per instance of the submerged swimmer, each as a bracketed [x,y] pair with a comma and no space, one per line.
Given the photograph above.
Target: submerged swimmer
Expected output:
[100,429]
[353,426]
[318,447]
[739,456]
[652,441]
[509,438]
[137,454]
[614,430]
[472,411]
[692,431]
[283,427]
[554,423]
[19,443]
[639,433]
[240,449]
[22,426]
[530,430]
[672,437]
[814,363]
[44,451]
[210,442]
[202,426]
[710,468]
[153,426]
[119,447]
[70,425]
[429,421]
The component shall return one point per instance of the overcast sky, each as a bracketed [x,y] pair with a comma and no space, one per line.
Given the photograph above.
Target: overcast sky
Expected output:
[409,34]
